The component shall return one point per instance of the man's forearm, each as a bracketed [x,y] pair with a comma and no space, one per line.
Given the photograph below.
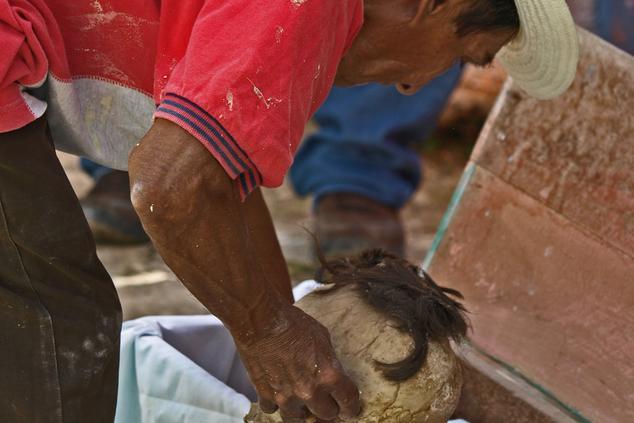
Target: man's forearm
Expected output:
[263,240]
[226,253]
[207,236]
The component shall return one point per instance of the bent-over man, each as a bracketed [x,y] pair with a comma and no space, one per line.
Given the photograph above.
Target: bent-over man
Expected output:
[203,102]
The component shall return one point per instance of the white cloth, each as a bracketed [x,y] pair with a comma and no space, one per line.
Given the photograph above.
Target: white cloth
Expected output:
[180,370]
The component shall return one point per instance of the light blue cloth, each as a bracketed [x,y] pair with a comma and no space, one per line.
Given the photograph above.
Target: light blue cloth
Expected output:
[189,382]
[184,369]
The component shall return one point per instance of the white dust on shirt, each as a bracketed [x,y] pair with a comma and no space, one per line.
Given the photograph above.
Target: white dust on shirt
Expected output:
[268,102]
[229,99]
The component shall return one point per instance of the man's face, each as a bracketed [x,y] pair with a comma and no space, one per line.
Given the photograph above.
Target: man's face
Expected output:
[410,42]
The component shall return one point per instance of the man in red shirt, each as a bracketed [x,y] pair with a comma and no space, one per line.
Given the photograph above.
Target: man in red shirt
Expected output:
[209,99]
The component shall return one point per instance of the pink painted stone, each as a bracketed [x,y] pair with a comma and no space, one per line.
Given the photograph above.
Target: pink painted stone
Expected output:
[574,154]
[541,242]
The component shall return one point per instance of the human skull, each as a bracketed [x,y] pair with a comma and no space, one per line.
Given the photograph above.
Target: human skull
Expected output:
[365,336]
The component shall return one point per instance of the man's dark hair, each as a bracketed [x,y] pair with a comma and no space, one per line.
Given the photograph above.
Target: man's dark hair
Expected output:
[404,294]
[488,15]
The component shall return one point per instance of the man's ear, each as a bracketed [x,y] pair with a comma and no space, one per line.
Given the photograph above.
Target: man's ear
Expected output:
[429,7]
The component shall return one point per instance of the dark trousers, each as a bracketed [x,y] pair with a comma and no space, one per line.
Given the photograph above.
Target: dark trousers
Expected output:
[60,316]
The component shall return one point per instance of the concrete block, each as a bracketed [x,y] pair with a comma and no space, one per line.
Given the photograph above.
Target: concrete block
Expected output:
[540,239]
[551,301]
[574,154]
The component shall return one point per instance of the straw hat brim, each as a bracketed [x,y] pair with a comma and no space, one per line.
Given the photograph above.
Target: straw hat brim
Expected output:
[543,58]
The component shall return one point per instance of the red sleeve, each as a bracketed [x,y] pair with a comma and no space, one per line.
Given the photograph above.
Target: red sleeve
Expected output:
[31,46]
[253,74]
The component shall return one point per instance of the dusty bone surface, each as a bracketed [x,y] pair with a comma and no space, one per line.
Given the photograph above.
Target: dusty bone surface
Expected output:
[360,336]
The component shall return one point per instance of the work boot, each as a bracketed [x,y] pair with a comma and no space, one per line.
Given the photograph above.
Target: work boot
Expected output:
[346,224]
[109,211]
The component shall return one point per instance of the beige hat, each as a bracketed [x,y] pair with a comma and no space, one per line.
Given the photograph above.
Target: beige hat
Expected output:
[543,58]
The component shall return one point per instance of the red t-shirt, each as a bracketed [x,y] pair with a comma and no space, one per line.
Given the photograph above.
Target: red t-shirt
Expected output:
[242,76]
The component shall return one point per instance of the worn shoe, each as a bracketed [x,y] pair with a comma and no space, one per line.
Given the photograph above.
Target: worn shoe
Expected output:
[346,224]
[110,213]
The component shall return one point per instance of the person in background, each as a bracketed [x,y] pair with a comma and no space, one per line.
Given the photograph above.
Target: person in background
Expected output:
[108,209]
[359,167]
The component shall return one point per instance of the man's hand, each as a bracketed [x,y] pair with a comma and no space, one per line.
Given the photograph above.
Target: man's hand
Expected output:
[295,368]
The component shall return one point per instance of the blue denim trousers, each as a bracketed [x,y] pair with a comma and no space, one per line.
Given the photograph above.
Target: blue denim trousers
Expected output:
[364,141]
[614,21]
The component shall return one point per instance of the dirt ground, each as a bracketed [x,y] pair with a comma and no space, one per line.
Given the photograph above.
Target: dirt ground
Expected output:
[147,287]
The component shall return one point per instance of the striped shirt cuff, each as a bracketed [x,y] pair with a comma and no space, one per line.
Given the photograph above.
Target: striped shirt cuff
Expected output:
[216,139]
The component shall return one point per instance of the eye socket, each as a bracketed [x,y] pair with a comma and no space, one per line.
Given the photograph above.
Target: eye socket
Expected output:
[435,4]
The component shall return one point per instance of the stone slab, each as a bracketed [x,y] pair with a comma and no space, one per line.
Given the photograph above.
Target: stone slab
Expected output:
[549,300]
[493,394]
[540,239]
[575,154]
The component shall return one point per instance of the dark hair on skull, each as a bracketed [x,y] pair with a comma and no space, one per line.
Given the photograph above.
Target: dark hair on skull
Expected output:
[405,294]
[488,15]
